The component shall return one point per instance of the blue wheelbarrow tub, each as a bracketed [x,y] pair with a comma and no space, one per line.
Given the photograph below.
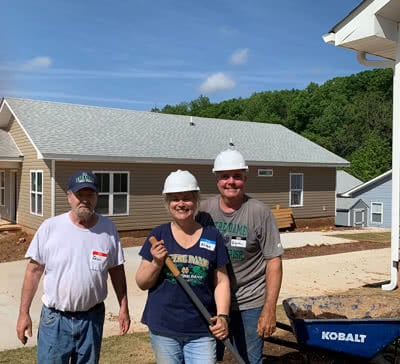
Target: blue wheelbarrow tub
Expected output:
[360,326]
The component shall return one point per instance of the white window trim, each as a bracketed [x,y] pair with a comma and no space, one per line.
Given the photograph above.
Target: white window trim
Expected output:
[36,192]
[269,172]
[381,213]
[3,188]
[301,190]
[111,194]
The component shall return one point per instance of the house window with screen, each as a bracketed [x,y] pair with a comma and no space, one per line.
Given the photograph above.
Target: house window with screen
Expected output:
[296,189]
[265,172]
[113,193]
[37,193]
[2,188]
[377,212]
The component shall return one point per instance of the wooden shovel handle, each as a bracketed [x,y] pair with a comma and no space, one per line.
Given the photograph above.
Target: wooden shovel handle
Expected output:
[168,261]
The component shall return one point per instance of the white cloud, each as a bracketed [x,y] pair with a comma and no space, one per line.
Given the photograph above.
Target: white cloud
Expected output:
[239,56]
[37,63]
[217,82]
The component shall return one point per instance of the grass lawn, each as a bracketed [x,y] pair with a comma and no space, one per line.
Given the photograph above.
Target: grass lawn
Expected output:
[132,348]
[383,237]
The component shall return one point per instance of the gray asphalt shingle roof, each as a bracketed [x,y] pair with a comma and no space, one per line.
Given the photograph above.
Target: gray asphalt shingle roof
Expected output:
[8,148]
[80,132]
[345,181]
[343,203]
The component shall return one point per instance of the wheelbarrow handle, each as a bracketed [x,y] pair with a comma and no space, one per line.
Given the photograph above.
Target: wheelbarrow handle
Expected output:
[199,305]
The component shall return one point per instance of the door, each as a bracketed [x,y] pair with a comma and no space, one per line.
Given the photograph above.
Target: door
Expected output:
[359,216]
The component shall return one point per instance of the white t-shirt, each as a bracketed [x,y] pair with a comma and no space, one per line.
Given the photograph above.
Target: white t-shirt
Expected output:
[76,261]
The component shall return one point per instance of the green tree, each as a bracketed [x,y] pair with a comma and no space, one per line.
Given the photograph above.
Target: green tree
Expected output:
[371,159]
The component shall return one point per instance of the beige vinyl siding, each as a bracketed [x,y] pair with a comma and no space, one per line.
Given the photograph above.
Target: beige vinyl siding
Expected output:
[24,217]
[146,206]
[318,195]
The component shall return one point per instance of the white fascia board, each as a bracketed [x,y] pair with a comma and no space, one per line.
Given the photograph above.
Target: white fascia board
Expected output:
[329,38]
[366,184]
[365,24]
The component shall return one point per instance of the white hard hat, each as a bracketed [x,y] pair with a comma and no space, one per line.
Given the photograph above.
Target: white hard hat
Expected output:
[229,160]
[180,181]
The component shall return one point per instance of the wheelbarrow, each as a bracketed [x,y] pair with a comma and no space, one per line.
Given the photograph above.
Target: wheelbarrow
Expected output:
[353,326]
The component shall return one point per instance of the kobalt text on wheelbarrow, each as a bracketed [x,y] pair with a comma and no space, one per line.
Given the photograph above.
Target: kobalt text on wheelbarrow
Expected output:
[349,326]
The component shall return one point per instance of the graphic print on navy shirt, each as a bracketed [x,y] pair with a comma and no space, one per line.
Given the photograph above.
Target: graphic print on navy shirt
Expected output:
[168,309]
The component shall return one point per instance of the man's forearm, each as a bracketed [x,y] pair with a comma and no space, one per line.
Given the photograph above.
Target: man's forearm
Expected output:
[32,277]
[118,280]
[273,278]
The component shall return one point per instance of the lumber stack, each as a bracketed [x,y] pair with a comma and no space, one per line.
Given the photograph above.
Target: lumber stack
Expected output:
[283,216]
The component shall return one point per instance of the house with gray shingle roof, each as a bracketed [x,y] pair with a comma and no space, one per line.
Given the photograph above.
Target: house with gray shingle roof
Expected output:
[366,204]
[350,211]
[132,152]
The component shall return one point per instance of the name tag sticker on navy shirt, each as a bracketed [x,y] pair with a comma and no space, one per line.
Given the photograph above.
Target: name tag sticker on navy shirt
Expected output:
[98,259]
[238,243]
[207,244]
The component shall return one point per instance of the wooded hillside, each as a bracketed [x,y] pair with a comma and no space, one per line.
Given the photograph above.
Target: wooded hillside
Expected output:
[350,116]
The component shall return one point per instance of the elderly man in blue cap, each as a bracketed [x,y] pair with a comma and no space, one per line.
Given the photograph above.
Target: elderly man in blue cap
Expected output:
[76,251]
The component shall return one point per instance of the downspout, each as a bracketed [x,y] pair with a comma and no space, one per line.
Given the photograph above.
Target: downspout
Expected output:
[53,187]
[394,268]
[361,58]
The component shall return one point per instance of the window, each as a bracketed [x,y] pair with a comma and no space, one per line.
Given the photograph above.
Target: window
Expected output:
[377,212]
[265,172]
[113,193]
[296,189]
[37,193]
[2,188]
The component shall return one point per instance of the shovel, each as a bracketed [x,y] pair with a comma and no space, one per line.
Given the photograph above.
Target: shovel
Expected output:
[199,305]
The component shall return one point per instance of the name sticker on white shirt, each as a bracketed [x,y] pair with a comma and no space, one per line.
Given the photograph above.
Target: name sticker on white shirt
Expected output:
[98,259]
[208,244]
[238,243]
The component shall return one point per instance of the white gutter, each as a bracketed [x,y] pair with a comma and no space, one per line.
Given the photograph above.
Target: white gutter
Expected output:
[394,268]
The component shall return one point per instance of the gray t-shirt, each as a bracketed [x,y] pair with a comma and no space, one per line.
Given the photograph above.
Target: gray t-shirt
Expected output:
[251,237]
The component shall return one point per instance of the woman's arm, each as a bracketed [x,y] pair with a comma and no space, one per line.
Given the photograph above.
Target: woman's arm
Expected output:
[222,295]
[148,271]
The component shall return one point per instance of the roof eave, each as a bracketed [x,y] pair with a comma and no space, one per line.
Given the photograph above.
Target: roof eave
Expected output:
[368,29]
[141,160]
[11,159]
[366,184]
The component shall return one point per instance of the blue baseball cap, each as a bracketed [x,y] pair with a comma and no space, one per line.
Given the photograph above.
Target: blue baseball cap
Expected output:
[82,179]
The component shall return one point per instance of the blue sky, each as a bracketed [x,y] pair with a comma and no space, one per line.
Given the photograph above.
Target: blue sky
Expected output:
[140,54]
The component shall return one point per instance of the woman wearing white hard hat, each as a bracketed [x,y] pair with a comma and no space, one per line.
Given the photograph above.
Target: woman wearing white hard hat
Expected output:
[178,332]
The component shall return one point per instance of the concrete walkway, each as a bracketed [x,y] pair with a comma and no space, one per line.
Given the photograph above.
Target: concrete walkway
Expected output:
[299,239]
[302,277]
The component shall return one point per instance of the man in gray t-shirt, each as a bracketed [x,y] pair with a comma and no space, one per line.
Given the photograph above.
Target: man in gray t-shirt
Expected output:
[253,241]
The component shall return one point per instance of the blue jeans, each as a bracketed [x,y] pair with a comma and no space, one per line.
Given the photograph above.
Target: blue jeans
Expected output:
[243,332]
[179,350]
[70,337]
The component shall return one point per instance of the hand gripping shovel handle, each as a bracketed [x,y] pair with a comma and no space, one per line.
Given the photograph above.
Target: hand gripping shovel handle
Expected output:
[199,305]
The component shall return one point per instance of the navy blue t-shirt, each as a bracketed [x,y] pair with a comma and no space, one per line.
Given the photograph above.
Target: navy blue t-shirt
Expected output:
[169,310]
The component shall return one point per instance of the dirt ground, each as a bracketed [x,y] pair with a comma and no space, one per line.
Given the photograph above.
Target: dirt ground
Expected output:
[14,244]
